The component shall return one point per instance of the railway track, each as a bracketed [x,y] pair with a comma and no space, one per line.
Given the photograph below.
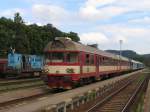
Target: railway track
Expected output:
[15,102]
[6,86]
[120,100]
[25,100]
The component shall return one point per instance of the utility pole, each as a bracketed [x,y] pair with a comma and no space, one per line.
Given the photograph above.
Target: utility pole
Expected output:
[120,41]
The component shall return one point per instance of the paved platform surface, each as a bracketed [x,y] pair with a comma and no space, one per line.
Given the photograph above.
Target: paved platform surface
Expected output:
[60,97]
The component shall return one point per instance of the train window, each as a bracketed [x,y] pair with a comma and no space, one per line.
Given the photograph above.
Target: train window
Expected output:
[57,57]
[100,60]
[54,57]
[72,57]
[87,59]
[92,59]
[105,61]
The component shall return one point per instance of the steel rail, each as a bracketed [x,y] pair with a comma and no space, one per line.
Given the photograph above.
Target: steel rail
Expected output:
[132,98]
[109,96]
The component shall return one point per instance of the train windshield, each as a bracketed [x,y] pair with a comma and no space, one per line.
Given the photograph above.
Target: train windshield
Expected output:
[59,57]
[72,57]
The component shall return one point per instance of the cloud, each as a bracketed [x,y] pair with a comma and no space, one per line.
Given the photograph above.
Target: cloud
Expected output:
[125,31]
[144,20]
[134,38]
[49,13]
[10,12]
[92,13]
[93,10]
[137,5]
[93,38]
[117,38]
[37,1]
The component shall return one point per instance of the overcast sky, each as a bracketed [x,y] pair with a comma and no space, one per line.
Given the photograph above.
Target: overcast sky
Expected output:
[104,22]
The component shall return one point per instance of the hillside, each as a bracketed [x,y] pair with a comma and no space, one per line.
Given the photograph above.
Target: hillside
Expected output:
[145,58]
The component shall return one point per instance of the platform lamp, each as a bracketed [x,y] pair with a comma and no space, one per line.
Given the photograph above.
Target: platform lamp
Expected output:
[120,41]
[120,54]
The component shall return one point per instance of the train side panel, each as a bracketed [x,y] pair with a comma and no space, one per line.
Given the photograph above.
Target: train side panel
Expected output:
[14,61]
[36,62]
[19,63]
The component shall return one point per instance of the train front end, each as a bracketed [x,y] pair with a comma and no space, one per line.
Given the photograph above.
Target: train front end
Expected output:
[62,68]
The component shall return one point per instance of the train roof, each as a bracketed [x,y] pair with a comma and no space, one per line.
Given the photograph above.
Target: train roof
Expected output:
[136,62]
[62,43]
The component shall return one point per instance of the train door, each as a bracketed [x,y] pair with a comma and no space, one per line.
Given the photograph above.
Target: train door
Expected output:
[81,60]
[23,62]
[26,63]
[97,64]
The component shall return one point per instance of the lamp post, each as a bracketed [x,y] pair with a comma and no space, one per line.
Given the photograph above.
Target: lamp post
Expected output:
[120,41]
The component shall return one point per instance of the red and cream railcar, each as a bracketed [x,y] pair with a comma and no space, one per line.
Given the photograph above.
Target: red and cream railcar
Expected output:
[68,63]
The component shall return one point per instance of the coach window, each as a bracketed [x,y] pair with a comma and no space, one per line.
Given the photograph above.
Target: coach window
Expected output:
[87,59]
[57,57]
[103,61]
[72,57]
[112,62]
[92,60]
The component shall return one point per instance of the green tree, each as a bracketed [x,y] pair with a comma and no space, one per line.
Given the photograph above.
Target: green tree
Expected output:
[74,36]
[28,39]
[18,18]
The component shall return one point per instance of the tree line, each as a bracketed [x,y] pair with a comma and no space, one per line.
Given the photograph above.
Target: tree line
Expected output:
[27,39]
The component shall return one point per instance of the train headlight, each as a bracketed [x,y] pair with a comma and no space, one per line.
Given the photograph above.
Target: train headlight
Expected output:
[46,70]
[57,72]
[70,70]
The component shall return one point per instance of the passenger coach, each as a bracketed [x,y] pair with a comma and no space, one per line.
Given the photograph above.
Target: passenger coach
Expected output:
[68,63]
